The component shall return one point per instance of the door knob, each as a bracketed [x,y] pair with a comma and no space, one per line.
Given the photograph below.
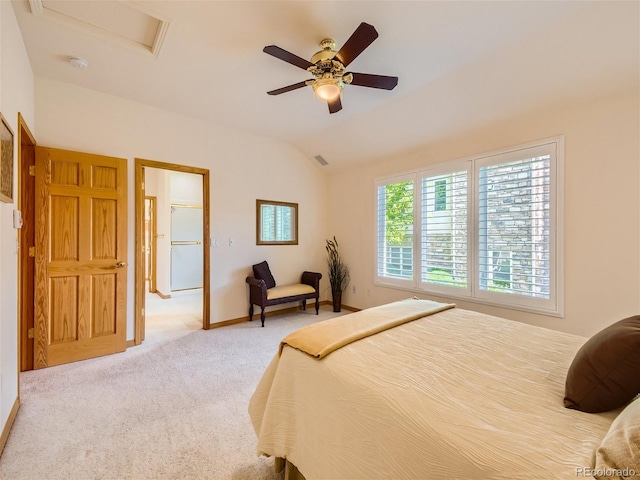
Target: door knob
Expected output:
[120,265]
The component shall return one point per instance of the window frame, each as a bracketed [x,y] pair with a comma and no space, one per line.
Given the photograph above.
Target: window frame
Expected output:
[444,169]
[259,221]
[521,301]
[395,281]
[554,305]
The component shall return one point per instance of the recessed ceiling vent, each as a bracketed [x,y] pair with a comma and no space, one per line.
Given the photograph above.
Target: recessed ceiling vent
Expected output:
[321,160]
[126,23]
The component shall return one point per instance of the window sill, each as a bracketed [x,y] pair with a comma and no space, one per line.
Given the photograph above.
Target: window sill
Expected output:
[518,308]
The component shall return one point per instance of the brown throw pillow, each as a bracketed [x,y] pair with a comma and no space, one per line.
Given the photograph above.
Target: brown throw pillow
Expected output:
[262,272]
[605,373]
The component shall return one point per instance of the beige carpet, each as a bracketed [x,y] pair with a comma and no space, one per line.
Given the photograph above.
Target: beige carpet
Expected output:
[174,407]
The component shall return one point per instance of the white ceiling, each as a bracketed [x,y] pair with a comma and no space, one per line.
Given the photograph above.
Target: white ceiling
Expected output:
[460,64]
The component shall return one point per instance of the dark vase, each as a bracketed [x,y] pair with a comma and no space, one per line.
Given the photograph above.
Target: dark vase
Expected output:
[337,300]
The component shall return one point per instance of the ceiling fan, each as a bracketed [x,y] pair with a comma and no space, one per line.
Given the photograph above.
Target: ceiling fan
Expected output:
[329,67]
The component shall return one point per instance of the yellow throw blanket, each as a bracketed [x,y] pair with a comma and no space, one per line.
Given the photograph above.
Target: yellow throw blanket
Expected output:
[320,339]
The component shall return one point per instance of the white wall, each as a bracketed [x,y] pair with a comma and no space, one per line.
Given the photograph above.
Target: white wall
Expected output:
[601,218]
[243,168]
[16,95]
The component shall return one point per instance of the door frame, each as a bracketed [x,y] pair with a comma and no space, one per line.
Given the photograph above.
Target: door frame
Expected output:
[151,242]
[26,238]
[139,317]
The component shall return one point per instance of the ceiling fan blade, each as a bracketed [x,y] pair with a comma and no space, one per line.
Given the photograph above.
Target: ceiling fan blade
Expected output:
[286,89]
[335,105]
[374,81]
[287,56]
[364,35]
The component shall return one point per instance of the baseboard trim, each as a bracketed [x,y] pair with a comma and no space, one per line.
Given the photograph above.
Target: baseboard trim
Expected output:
[256,316]
[226,323]
[235,321]
[351,309]
[7,427]
[131,343]
[345,307]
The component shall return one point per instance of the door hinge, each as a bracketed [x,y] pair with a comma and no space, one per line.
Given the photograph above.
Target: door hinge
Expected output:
[32,251]
[32,170]
[30,333]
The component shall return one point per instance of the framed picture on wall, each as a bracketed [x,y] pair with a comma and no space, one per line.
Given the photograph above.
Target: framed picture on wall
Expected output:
[6,162]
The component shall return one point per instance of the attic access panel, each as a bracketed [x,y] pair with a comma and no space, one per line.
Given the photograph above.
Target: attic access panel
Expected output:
[123,22]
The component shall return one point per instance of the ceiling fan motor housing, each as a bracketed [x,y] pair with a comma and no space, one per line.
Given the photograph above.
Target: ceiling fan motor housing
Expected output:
[328,51]
[328,67]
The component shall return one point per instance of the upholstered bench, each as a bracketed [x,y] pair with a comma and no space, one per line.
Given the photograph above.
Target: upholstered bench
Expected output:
[264,292]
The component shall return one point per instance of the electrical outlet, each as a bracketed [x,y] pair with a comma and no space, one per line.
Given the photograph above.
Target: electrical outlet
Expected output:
[232,241]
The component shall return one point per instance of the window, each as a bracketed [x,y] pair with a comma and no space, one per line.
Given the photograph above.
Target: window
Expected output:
[487,228]
[395,230]
[444,229]
[440,195]
[276,223]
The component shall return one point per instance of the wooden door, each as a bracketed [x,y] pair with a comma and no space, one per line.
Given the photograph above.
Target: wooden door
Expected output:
[81,255]
[26,238]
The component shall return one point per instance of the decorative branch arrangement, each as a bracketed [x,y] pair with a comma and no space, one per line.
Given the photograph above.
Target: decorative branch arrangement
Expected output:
[338,273]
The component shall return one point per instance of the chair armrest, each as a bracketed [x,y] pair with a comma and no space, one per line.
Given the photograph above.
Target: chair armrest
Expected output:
[312,279]
[257,283]
[257,290]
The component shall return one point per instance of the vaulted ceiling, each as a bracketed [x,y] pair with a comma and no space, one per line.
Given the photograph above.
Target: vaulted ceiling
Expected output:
[460,64]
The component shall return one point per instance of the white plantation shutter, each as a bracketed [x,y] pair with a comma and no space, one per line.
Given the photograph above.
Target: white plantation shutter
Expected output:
[444,230]
[268,223]
[485,229]
[394,230]
[278,223]
[516,225]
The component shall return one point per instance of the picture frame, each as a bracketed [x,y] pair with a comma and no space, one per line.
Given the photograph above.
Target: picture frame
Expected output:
[6,161]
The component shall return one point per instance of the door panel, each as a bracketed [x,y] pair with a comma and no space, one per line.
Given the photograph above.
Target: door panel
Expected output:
[64,231]
[104,228]
[186,247]
[80,256]
[103,296]
[186,267]
[64,309]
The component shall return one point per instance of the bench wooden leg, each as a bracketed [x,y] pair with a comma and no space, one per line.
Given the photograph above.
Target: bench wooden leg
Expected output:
[262,316]
[251,312]
[304,304]
[317,306]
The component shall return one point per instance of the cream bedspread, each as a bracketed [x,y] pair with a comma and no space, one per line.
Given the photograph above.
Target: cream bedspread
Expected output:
[455,395]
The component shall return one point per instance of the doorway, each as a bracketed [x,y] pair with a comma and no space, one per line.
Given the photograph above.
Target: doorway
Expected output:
[154,287]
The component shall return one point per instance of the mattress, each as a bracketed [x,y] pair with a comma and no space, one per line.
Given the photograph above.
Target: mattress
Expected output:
[454,395]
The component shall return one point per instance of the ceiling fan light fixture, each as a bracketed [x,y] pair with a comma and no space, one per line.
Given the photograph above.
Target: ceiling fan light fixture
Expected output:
[328,68]
[327,88]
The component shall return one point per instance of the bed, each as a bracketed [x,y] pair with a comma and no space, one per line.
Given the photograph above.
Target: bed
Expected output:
[452,394]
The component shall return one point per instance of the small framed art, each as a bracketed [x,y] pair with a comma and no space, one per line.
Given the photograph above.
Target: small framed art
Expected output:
[6,162]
